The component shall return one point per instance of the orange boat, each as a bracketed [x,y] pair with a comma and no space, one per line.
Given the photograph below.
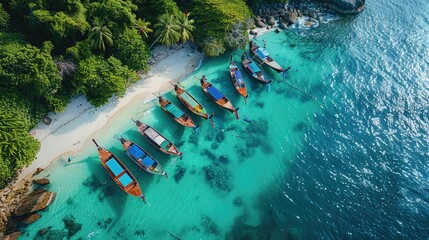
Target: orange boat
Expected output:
[157,140]
[190,102]
[216,96]
[237,79]
[119,173]
[176,113]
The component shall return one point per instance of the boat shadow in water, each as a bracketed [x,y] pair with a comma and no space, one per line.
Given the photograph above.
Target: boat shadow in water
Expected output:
[102,187]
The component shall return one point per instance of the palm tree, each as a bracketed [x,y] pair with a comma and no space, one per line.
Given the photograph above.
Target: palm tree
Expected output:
[185,26]
[100,36]
[143,27]
[167,30]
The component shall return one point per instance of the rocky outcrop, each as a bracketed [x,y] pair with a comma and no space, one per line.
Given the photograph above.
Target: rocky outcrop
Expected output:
[31,218]
[71,225]
[34,201]
[42,181]
[12,236]
[344,6]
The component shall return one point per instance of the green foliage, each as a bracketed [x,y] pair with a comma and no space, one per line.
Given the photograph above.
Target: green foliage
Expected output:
[237,36]
[57,20]
[99,79]
[4,18]
[17,147]
[30,71]
[213,47]
[116,14]
[255,3]
[152,9]
[213,19]
[80,51]
[100,36]
[132,50]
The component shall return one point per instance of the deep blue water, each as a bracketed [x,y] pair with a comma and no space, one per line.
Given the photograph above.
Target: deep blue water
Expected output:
[365,174]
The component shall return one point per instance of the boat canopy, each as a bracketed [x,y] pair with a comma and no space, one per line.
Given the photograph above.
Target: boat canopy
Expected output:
[125,179]
[189,100]
[254,67]
[177,113]
[114,166]
[215,92]
[262,53]
[147,161]
[136,152]
[239,78]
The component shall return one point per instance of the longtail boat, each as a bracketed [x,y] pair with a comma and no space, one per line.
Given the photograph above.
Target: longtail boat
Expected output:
[157,140]
[119,173]
[176,113]
[262,54]
[216,96]
[142,158]
[190,102]
[254,69]
[237,79]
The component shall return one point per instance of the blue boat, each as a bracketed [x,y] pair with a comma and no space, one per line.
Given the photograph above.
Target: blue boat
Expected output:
[254,69]
[142,158]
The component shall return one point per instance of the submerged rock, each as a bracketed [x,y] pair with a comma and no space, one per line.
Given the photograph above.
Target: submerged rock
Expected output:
[179,173]
[35,201]
[71,225]
[344,6]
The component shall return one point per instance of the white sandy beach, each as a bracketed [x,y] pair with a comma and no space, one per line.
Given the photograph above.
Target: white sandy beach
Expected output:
[70,130]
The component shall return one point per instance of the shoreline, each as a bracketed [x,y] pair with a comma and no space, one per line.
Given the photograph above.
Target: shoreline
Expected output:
[71,130]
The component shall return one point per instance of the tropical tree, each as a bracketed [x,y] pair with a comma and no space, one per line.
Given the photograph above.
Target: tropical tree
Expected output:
[100,36]
[4,17]
[185,26]
[167,30]
[142,27]
[17,147]
[236,36]
[213,46]
[131,50]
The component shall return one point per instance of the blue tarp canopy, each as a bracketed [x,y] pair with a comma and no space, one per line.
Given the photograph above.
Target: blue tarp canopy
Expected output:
[114,166]
[254,67]
[238,77]
[261,53]
[147,161]
[215,93]
[125,180]
[136,152]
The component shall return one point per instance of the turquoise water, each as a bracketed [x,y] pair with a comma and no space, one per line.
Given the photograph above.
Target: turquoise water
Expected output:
[337,149]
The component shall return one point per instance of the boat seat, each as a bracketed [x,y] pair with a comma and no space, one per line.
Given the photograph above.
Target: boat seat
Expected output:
[125,180]
[114,166]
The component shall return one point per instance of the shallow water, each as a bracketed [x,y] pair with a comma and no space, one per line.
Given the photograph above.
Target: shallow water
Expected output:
[337,149]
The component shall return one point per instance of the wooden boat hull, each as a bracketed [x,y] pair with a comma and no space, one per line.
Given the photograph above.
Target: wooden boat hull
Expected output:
[254,70]
[199,110]
[216,96]
[142,158]
[176,113]
[119,172]
[237,79]
[264,56]
[157,140]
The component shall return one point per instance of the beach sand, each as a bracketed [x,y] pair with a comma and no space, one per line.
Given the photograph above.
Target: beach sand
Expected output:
[72,129]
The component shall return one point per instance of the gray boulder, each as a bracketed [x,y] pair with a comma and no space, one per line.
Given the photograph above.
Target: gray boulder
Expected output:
[344,6]
[290,16]
[35,201]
